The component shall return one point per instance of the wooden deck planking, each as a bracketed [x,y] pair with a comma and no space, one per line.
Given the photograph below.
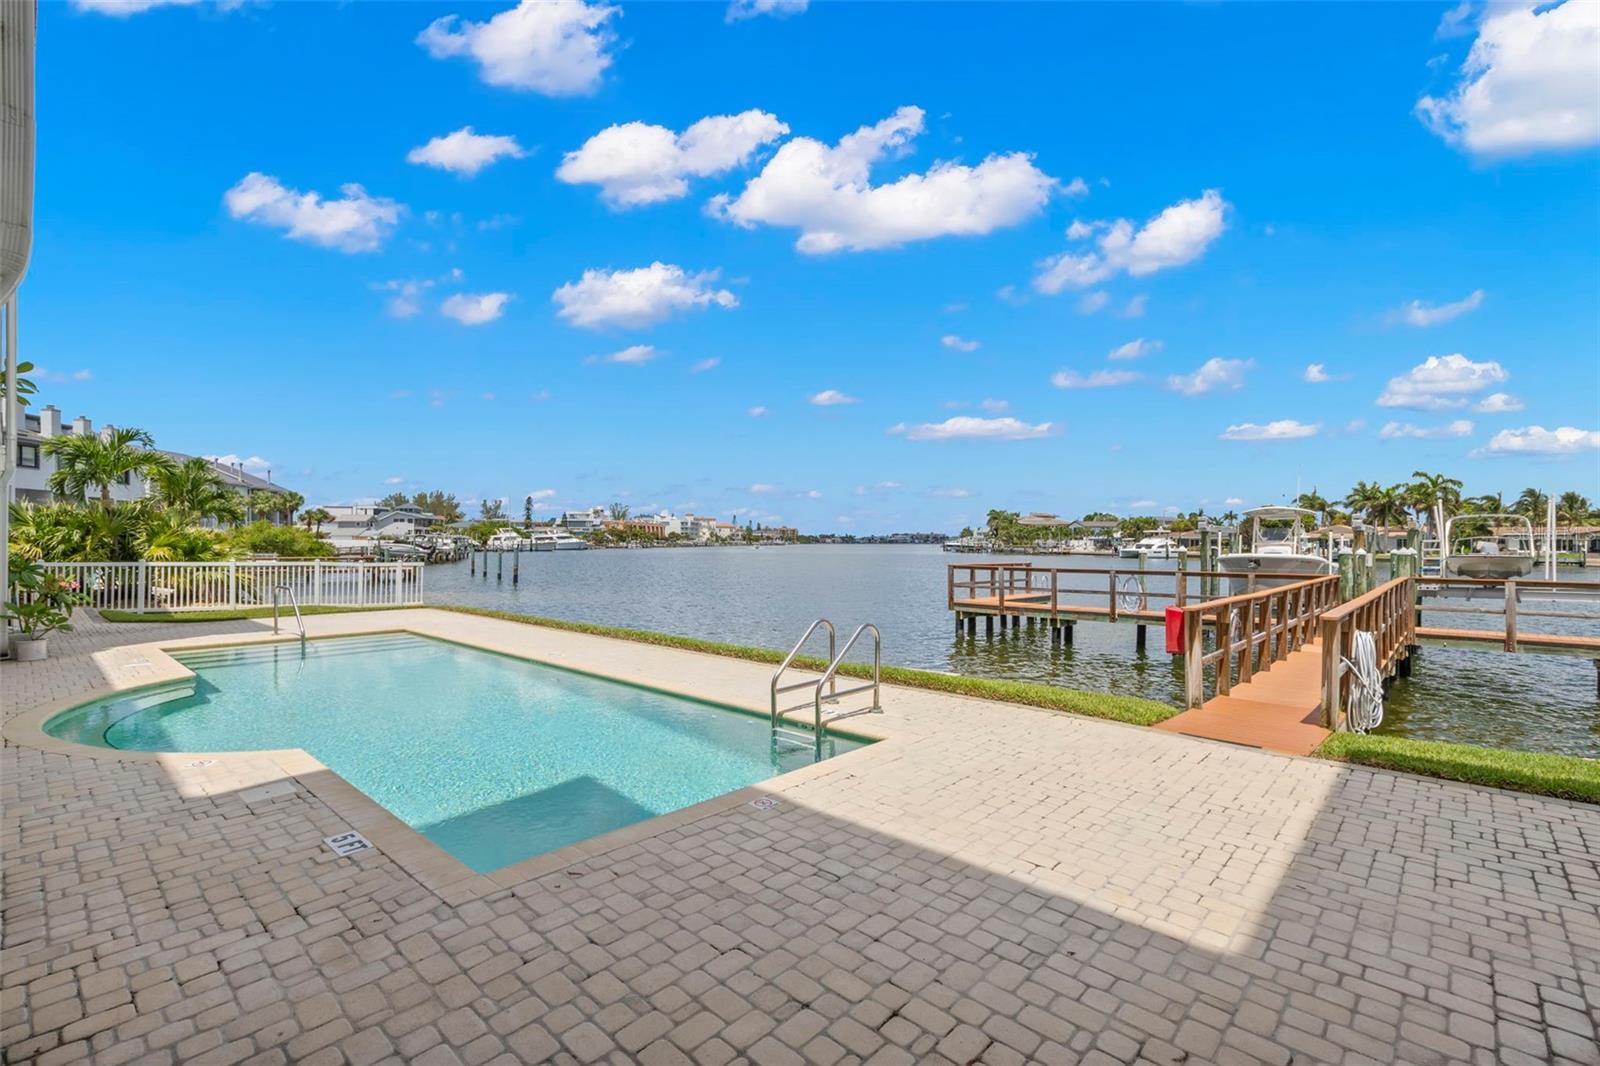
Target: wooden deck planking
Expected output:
[1279,710]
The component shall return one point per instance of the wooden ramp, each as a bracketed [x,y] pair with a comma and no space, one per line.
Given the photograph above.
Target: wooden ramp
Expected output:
[1279,710]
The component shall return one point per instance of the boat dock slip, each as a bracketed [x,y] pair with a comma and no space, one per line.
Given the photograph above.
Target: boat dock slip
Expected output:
[1279,667]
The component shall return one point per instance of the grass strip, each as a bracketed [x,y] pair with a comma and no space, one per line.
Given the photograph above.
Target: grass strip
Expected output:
[1562,776]
[236,614]
[1130,709]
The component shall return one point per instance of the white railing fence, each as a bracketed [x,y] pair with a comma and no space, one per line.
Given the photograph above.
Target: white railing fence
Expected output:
[201,586]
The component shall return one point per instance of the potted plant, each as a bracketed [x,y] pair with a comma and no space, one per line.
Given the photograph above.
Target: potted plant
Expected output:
[41,605]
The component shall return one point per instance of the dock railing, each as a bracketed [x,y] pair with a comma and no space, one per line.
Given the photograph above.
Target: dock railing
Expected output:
[147,586]
[1022,588]
[1252,631]
[1505,597]
[1389,613]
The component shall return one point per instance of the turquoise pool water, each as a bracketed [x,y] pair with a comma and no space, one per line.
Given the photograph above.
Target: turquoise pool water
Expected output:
[494,759]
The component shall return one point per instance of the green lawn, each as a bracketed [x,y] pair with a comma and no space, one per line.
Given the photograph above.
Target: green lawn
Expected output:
[1563,776]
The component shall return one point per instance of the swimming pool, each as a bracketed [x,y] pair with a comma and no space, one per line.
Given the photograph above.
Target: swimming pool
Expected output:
[493,758]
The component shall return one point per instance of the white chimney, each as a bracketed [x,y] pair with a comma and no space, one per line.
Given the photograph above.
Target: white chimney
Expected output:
[50,421]
[82,426]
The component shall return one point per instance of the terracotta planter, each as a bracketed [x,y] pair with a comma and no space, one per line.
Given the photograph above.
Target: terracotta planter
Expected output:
[29,651]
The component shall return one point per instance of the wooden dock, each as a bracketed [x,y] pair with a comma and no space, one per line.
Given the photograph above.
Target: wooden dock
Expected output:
[1280,710]
[1276,658]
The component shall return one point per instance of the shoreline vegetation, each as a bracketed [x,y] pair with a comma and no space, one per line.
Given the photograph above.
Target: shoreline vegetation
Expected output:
[1559,776]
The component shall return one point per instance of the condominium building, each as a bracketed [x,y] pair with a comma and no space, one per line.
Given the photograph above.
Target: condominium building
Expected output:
[31,481]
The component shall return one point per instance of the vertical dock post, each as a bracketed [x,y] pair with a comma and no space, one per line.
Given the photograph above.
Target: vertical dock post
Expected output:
[500,567]
[1347,576]
[472,564]
[516,566]
[1138,636]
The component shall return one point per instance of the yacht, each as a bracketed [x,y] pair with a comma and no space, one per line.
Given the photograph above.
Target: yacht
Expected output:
[1490,555]
[1279,548]
[557,540]
[505,540]
[1155,546]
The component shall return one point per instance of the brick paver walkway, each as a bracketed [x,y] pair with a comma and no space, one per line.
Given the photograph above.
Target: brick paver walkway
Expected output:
[991,884]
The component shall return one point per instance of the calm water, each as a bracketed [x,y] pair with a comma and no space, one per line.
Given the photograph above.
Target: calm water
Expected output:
[492,758]
[768,596]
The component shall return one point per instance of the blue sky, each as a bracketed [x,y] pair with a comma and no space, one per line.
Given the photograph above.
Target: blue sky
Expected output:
[256,236]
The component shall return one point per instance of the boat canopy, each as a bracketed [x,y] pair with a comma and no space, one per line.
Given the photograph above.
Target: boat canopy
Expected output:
[1279,512]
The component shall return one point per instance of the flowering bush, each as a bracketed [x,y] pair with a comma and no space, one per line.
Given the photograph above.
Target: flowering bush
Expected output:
[43,601]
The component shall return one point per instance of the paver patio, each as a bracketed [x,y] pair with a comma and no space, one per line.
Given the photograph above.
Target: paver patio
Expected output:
[990,884]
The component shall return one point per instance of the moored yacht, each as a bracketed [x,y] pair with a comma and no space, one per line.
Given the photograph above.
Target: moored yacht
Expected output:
[1155,546]
[557,540]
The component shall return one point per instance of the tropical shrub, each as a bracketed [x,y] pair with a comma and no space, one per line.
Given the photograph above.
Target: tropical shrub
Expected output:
[264,538]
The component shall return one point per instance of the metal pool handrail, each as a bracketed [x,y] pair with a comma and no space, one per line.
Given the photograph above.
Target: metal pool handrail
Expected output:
[833,640]
[833,668]
[293,602]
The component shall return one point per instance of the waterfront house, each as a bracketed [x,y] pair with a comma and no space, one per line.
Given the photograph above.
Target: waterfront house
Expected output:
[363,522]
[590,521]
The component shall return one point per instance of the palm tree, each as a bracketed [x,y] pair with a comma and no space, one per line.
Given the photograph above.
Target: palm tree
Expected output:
[1572,509]
[1531,503]
[315,517]
[1431,488]
[1382,506]
[1488,503]
[1229,518]
[194,490]
[1314,501]
[619,512]
[89,461]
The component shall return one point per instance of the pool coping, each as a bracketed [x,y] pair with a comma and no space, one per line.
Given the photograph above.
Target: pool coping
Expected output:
[128,667]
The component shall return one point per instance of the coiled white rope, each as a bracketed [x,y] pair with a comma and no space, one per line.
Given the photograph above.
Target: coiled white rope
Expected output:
[1364,712]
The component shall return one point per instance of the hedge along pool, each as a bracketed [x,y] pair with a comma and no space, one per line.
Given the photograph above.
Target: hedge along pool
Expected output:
[493,758]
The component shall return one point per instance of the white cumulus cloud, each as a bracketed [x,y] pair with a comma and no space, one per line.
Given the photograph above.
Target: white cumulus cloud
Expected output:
[757,412]
[126,8]
[475,309]
[1178,235]
[1527,85]
[1536,440]
[739,10]
[966,427]
[826,192]
[952,493]
[703,365]
[1420,314]
[958,344]
[1317,374]
[356,222]
[633,355]
[1461,427]
[636,298]
[635,163]
[830,398]
[1211,375]
[1282,429]
[1500,403]
[1096,379]
[465,151]
[254,464]
[554,47]
[1137,348]
[1440,382]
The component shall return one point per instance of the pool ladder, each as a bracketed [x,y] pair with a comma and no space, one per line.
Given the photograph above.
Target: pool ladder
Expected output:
[293,602]
[793,731]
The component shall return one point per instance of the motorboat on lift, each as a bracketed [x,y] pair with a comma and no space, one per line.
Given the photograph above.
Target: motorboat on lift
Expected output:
[1278,546]
[1499,556]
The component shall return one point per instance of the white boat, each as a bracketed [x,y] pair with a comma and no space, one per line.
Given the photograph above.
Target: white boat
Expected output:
[1490,555]
[1279,548]
[557,540]
[1156,546]
[505,540]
